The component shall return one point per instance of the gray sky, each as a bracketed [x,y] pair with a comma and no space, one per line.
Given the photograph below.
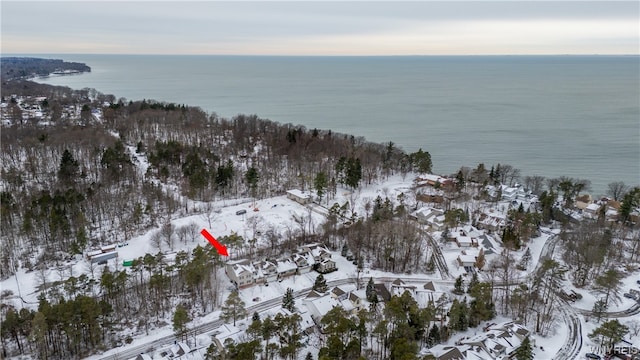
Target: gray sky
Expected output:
[320,28]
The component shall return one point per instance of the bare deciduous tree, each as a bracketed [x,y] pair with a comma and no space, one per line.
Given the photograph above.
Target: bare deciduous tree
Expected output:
[617,190]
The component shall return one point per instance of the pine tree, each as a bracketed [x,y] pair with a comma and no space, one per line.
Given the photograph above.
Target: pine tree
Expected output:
[524,351]
[252,178]
[434,335]
[457,287]
[320,184]
[68,170]
[609,333]
[288,301]
[370,292]
[233,308]
[321,284]
[180,320]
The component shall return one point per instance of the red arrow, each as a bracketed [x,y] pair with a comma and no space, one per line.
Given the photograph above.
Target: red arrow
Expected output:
[222,250]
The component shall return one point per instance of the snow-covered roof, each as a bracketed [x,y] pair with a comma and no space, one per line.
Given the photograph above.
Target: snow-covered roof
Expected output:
[467,258]
[592,207]
[323,305]
[464,240]
[299,194]
[225,332]
[286,265]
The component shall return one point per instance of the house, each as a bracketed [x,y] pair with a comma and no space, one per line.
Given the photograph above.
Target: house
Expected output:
[382,292]
[445,352]
[398,287]
[326,266]
[466,260]
[240,272]
[432,217]
[320,306]
[224,333]
[426,294]
[357,300]
[465,242]
[269,271]
[318,252]
[302,262]
[300,197]
[179,349]
[100,257]
[497,342]
[493,221]
[307,324]
[583,201]
[591,211]
[286,268]
[105,253]
[488,245]
[338,293]
[432,180]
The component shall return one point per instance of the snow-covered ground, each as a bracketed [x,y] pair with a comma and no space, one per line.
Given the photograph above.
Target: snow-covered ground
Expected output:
[281,213]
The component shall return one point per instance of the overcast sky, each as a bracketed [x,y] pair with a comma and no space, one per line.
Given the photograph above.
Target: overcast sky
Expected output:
[320,28]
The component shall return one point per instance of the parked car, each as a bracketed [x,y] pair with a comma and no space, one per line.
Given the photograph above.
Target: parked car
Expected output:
[593,356]
[627,295]
[240,212]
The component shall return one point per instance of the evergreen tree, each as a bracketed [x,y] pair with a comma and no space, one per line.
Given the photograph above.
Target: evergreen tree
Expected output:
[609,284]
[180,320]
[288,301]
[609,333]
[233,308]
[370,292]
[630,201]
[354,173]
[525,350]
[320,184]
[457,286]
[421,161]
[321,284]
[252,178]
[434,336]
[68,171]
[599,309]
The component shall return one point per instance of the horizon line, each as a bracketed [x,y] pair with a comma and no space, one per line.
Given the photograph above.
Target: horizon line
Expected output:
[319,55]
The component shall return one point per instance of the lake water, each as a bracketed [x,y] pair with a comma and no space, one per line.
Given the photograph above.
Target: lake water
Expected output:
[577,116]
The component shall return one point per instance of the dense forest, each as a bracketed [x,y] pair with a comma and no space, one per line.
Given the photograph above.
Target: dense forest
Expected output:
[25,67]
[103,170]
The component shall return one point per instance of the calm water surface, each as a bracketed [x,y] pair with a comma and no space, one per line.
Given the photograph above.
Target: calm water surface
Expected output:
[546,115]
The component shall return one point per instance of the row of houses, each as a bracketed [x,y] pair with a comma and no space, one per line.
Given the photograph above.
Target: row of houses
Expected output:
[179,350]
[244,273]
[498,341]
[591,209]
